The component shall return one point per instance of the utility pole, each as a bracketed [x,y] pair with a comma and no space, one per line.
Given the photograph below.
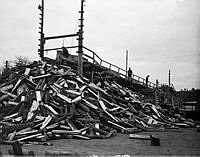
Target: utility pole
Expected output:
[41,45]
[169,78]
[80,41]
[126,62]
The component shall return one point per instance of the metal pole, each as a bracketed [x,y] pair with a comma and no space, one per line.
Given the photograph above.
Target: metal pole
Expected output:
[126,62]
[80,43]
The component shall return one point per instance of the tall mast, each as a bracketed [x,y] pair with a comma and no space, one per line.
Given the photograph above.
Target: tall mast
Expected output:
[80,41]
[41,27]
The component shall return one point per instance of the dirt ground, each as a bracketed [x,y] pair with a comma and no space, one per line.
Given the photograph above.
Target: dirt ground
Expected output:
[185,142]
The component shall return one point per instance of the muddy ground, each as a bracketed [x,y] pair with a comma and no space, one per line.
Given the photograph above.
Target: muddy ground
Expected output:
[184,142]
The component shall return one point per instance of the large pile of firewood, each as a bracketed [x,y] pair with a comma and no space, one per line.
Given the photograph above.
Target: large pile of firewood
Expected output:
[42,101]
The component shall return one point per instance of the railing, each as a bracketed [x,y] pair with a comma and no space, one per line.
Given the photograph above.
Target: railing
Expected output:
[95,59]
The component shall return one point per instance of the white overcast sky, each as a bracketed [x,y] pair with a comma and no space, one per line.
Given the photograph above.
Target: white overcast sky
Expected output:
[159,34]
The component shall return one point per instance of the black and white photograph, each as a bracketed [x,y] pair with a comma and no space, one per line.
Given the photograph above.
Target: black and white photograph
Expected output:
[99,78]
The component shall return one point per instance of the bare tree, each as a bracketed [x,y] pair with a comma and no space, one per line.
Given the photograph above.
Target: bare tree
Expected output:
[21,61]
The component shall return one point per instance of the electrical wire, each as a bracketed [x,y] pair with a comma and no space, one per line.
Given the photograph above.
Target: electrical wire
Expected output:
[123,37]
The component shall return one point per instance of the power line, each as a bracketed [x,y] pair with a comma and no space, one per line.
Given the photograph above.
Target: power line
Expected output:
[123,36]
[167,56]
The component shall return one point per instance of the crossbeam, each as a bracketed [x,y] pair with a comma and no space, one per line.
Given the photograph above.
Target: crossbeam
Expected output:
[60,48]
[61,36]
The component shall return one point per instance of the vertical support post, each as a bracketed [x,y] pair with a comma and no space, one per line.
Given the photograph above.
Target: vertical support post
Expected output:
[41,45]
[156,93]
[126,63]
[80,43]
[92,73]
[6,64]
[93,58]
[169,78]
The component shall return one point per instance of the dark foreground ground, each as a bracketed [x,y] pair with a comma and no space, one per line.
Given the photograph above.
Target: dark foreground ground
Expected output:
[186,142]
